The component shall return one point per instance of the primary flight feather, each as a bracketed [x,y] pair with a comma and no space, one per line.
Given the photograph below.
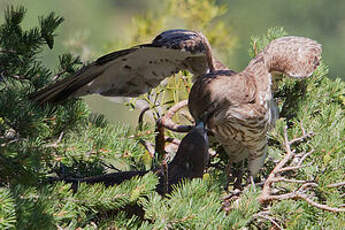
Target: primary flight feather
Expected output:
[134,71]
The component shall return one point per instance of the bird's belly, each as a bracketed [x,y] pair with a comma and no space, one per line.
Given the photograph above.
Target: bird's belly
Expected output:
[241,142]
[242,133]
[242,137]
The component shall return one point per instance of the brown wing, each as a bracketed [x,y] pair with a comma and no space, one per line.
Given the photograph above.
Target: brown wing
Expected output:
[294,56]
[134,71]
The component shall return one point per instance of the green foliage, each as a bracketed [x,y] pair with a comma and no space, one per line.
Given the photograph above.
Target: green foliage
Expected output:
[40,141]
[51,206]
[26,128]
[97,197]
[7,209]
[48,25]
[195,10]
[190,206]
[197,205]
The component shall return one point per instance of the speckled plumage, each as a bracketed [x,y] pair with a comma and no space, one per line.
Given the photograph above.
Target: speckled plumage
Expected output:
[240,106]
[134,71]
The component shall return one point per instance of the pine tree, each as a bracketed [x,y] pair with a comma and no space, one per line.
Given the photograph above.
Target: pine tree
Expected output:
[67,140]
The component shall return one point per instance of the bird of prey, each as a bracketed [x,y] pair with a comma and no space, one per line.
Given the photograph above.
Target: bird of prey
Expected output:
[237,107]
[240,107]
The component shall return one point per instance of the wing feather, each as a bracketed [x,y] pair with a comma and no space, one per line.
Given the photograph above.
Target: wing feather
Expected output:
[135,71]
[295,56]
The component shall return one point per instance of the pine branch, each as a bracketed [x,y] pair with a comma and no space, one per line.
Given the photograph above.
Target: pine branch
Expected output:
[167,122]
[299,194]
[335,185]
[265,216]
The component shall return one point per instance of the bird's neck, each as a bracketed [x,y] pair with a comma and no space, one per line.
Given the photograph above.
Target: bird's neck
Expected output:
[209,55]
[257,69]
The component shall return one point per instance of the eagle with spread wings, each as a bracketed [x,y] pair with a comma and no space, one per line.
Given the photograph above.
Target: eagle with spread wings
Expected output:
[238,108]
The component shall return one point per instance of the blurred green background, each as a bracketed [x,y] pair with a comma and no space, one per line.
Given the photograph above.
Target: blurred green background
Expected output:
[93,28]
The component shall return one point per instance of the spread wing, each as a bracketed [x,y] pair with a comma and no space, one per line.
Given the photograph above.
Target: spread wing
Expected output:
[134,71]
[294,56]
